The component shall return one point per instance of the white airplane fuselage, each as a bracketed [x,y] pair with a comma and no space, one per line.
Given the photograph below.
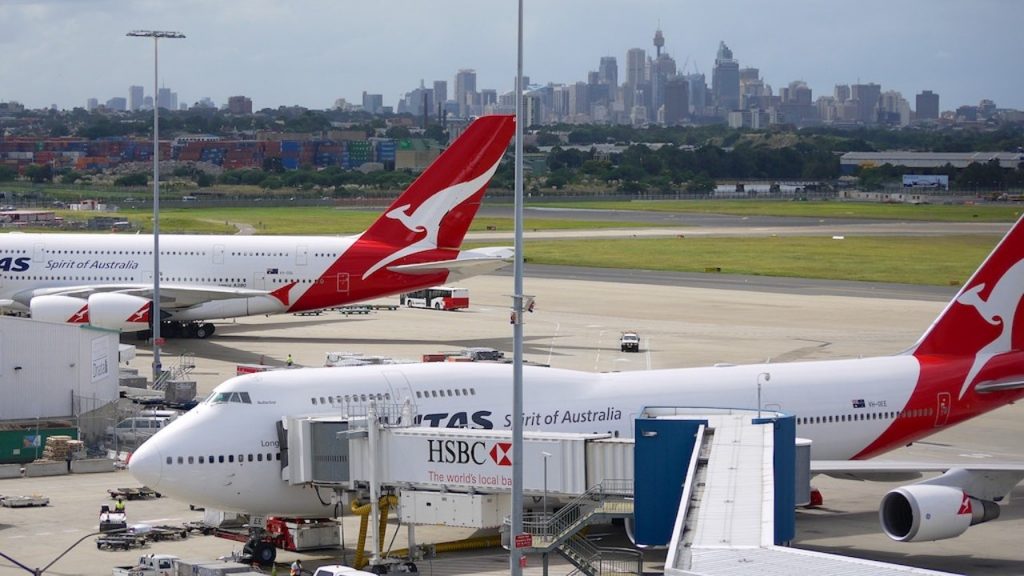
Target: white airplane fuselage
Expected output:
[249,479]
[37,264]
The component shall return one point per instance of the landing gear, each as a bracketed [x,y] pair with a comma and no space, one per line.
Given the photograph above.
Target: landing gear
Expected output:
[260,551]
[173,329]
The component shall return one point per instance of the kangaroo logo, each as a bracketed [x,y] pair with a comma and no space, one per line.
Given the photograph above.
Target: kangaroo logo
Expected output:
[427,216]
[998,310]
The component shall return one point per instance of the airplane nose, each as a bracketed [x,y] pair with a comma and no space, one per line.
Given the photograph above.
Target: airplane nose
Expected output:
[146,464]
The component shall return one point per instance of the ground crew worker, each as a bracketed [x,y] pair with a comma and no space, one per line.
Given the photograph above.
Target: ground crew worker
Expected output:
[119,506]
[296,568]
[290,361]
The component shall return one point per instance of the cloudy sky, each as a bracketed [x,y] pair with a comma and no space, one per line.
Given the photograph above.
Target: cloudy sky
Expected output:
[311,52]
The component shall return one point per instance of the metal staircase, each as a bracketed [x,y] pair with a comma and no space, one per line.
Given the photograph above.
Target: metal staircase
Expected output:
[560,532]
[179,371]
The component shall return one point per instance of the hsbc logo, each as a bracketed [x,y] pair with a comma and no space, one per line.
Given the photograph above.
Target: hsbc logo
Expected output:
[466,452]
[500,453]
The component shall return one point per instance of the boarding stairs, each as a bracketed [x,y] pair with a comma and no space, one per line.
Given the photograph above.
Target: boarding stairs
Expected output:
[180,370]
[560,531]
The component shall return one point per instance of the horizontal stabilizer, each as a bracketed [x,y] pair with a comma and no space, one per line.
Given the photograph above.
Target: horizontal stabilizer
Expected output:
[469,263]
[999,386]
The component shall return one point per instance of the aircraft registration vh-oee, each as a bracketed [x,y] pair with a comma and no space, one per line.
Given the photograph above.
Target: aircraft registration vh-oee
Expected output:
[107,280]
[969,362]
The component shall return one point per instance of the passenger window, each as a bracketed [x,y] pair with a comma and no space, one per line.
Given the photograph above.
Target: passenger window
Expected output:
[181,460]
[259,457]
[201,461]
[220,458]
[231,457]
[170,460]
[191,460]
[250,457]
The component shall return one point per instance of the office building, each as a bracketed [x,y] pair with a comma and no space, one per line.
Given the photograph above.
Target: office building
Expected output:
[117,104]
[698,94]
[373,103]
[239,105]
[677,101]
[867,97]
[92,104]
[927,105]
[725,80]
[465,91]
[135,98]
[440,92]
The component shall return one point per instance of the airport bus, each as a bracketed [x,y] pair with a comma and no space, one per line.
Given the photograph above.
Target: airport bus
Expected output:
[438,298]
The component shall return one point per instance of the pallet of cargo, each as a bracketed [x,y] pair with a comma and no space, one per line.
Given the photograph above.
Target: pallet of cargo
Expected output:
[164,532]
[23,501]
[119,542]
[143,493]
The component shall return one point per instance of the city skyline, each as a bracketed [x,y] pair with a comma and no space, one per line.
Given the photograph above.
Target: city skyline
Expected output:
[311,53]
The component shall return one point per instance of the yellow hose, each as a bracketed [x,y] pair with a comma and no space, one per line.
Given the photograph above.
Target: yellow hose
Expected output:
[363,511]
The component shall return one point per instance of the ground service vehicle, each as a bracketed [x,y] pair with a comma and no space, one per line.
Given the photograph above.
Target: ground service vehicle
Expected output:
[438,298]
[629,342]
[148,565]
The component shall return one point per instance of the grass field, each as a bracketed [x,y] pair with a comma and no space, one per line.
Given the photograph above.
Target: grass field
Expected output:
[910,260]
[995,212]
[311,221]
[913,260]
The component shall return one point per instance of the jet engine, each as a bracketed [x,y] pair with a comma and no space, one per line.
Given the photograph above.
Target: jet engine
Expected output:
[66,309]
[119,311]
[924,512]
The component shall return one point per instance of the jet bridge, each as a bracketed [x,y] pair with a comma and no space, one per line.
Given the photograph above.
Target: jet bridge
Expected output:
[718,487]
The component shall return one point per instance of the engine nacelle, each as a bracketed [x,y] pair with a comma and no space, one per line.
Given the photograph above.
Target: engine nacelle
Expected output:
[64,309]
[925,512]
[119,311]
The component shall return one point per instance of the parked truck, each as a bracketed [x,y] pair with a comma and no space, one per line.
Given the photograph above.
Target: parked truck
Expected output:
[149,565]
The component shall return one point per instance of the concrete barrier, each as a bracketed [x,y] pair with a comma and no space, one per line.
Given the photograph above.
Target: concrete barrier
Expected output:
[10,470]
[34,469]
[92,466]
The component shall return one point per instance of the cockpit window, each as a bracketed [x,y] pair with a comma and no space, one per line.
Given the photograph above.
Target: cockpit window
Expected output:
[235,397]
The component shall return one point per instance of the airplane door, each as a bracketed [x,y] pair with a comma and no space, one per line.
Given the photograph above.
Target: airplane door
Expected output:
[259,281]
[343,283]
[400,390]
[218,253]
[38,252]
[301,255]
[944,404]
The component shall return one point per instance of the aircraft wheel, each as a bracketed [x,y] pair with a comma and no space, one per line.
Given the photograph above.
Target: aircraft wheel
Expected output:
[210,329]
[201,331]
[265,553]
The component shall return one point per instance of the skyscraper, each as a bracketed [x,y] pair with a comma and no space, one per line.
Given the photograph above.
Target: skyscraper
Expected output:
[927,105]
[725,80]
[135,95]
[698,93]
[867,97]
[677,101]
[239,105]
[440,92]
[465,90]
[608,71]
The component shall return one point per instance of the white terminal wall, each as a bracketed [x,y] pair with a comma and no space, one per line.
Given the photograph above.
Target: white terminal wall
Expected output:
[44,366]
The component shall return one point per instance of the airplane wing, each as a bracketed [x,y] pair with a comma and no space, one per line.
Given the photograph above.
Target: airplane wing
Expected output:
[987,481]
[171,295]
[469,263]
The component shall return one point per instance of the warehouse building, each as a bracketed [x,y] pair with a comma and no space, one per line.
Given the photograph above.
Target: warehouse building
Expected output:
[55,379]
[850,161]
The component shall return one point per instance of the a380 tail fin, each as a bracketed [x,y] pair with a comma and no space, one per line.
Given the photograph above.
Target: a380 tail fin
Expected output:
[438,207]
[985,318]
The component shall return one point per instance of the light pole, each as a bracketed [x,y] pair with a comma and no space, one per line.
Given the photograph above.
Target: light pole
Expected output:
[546,455]
[154,311]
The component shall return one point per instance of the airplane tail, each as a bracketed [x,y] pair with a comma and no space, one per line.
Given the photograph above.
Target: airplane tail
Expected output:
[436,210]
[985,321]
[986,306]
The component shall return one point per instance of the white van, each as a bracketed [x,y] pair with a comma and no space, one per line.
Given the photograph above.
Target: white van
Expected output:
[137,428]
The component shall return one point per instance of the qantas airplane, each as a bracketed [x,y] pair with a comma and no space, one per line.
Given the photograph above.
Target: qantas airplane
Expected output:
[226,452]
[107,281]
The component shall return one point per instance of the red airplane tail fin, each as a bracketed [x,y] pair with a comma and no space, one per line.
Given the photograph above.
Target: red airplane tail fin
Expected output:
[986,306]
[438,207]
[985,321]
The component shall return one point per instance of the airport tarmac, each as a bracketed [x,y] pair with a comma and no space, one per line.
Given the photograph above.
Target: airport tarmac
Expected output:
[576,325]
